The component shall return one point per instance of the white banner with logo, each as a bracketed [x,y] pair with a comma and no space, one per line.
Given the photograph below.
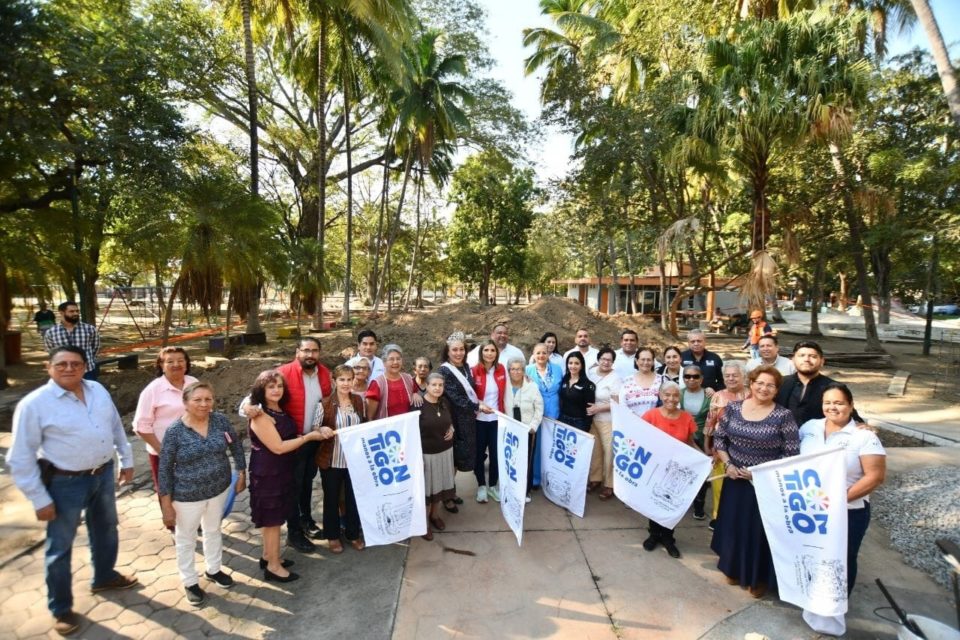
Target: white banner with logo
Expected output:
[565,464]
[386,468]
[653,472]
[512,456]
[803,504]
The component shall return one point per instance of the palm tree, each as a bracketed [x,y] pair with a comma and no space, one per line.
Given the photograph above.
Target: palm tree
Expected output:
[939,49]
[430,117]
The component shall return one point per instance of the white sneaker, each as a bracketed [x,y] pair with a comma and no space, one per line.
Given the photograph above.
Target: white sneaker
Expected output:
[529,500]
[482,493]
[494,493]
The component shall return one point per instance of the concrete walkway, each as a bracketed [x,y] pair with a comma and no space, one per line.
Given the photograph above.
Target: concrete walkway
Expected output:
[576,578]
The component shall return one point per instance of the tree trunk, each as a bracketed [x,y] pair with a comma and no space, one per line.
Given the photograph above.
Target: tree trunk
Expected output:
[929,294]
[632,287]
[374,280]
[393,230]
[253,314]
[940,55]
[168,313]
[613,306]
[322,165]
[416,245]
[844,298]
[598,262]
[816,294]
[348,266]
[857,249]
[761,209]
[664,321]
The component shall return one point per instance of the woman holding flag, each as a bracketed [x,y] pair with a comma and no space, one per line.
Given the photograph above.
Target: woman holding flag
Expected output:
[547,376]
[490,381]
[866,467]
[751,432]
[525,404]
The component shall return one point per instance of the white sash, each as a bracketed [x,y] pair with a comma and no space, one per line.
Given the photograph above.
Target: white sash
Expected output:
[467,387]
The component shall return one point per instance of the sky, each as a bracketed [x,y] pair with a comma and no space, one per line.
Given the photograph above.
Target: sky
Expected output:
[506,20]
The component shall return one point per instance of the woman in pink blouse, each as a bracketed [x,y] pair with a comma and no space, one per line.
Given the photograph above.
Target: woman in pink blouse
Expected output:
[161,402]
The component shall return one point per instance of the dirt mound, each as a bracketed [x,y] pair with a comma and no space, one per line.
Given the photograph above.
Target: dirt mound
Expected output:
[423,332]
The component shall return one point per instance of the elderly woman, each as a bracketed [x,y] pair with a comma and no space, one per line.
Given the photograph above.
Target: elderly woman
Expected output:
[734,377]
[459,392]
[490,381]
[436,438]
[194,478]
[866,466]
[421,369]
[361,375]
[525,404]
[676,422]
[341,409]
[751,432]
[394,392]
[273,439]
[695,401]
[577,393]
[639,392]
[547,376]
[161,402]
[607,384]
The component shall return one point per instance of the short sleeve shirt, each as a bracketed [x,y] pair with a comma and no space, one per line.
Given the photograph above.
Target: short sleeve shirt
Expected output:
[854,441]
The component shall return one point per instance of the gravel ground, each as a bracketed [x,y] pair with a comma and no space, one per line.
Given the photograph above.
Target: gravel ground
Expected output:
[918,508]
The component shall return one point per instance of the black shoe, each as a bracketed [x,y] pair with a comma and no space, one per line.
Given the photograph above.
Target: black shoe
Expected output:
[650,543]
[66,623]
[698,514]
[270,576]
[221,579]
[671,549]
[311,530]
[196,595]
[301,544]
[712,524]
[286,564]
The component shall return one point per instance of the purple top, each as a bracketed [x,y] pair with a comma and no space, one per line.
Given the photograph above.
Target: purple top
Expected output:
[750,442]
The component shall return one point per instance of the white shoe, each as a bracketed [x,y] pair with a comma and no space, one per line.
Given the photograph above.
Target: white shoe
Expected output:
[528,500]
[482,493]
[494,493]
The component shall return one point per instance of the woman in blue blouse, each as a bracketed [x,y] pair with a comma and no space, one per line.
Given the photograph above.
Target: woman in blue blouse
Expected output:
[194,478]
[547,377]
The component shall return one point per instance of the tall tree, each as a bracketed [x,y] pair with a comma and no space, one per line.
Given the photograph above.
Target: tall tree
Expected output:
[939,49]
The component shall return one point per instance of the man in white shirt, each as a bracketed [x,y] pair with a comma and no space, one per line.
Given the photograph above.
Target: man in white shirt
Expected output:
[629,345]
[74,424]
[770,354]
[501,336]
[367,348]
[582,340]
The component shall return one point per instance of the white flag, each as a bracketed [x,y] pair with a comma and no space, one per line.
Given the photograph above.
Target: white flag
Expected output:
[385,461]
[653,472]
[512,455]
[803,504]
[565,463]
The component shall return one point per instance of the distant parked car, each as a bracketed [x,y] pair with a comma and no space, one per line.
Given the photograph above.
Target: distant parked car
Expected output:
[942,309]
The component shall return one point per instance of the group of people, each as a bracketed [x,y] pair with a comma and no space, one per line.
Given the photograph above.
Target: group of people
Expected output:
[739,417]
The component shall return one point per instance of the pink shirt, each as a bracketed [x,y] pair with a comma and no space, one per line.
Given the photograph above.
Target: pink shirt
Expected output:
[160,404]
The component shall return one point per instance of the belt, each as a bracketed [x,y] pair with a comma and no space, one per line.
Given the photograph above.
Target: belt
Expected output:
[85,472]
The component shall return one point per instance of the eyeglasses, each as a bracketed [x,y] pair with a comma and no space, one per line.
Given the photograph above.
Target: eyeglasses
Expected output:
[691,377]
[765,385]
[70,364]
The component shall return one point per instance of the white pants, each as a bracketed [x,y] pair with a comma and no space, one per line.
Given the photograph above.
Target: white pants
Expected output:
[206,514]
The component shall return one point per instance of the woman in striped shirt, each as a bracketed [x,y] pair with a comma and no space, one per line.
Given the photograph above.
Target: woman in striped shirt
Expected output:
[342,409]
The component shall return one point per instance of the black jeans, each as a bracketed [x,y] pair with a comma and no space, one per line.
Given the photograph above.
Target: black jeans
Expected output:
[304,471]
[333,480]
[486,440]
[857,522]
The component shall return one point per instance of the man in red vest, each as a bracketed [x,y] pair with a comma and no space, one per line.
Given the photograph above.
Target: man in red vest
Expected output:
[307,382]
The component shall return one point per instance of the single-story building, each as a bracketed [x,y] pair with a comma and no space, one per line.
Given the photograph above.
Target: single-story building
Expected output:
[586,291]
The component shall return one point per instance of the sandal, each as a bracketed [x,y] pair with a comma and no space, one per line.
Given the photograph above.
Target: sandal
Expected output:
[451,506]
[592,486]
[428,535]
[457,500]
[606,493]
[437,523]
[358,544]
[336,546]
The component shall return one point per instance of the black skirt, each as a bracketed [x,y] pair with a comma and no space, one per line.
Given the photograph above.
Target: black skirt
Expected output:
[739,538]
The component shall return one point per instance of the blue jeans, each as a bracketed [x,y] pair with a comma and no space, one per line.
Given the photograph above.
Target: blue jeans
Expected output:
[857,522]
[72,496]
[486,442]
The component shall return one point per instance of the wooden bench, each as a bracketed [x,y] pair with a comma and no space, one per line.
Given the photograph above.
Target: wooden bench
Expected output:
[125,361]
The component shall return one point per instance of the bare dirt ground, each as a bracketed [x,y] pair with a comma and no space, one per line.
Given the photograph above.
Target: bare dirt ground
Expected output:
[422,333]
